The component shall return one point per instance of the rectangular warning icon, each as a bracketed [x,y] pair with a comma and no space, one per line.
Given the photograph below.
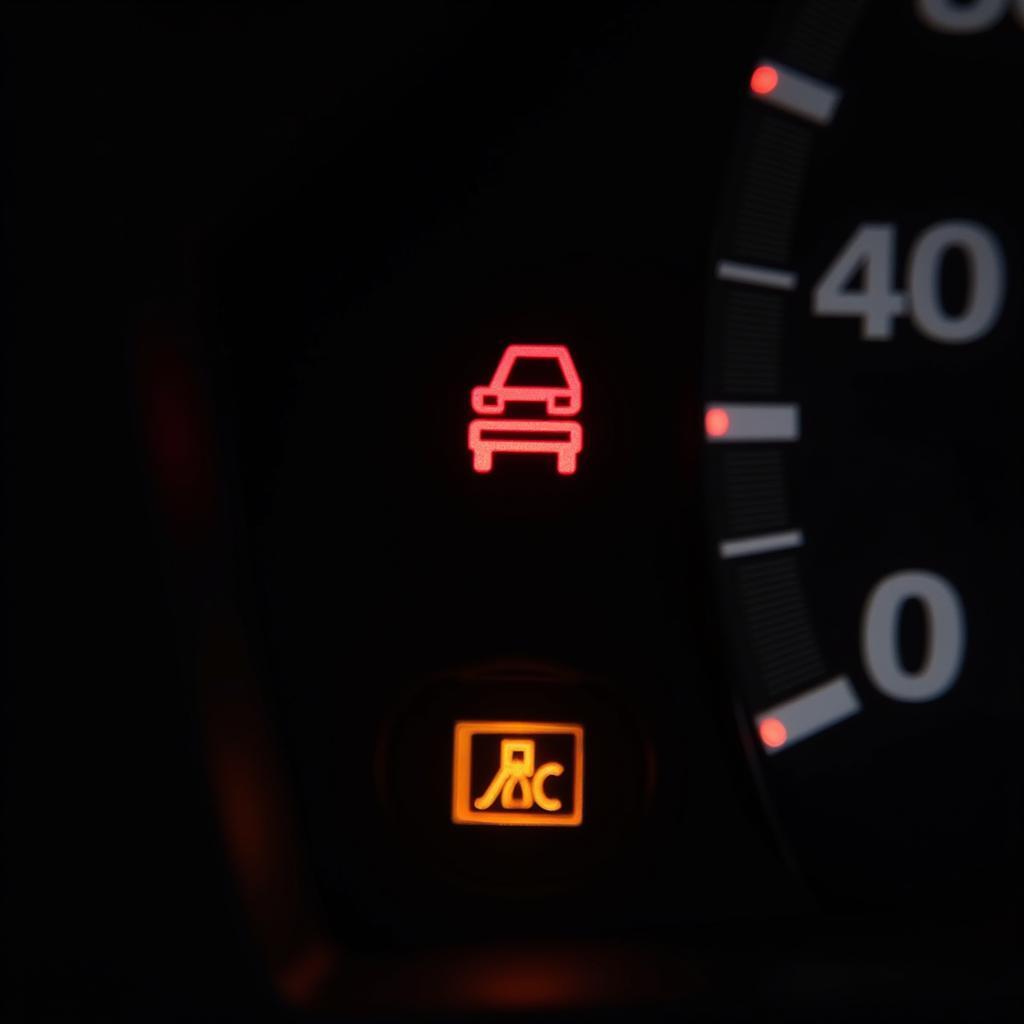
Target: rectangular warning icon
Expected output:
[517,773]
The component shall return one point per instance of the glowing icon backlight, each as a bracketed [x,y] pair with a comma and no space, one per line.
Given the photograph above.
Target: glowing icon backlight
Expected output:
[773,733]
[764,80]
[716,422]
[556,435]
[517,773]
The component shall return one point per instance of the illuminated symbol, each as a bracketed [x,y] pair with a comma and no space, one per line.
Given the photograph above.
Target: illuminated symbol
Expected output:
[559,437]
[517,760]
[564,440]
[512,788]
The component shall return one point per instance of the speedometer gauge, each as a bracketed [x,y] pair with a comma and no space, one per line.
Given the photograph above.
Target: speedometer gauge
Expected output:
[861,422]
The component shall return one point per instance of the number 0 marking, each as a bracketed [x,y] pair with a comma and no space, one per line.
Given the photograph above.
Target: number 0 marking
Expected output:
[945,641]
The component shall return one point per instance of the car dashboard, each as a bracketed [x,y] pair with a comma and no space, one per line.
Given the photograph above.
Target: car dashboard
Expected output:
[510,511]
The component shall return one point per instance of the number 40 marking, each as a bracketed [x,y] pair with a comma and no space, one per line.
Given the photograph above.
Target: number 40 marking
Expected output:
[870,256]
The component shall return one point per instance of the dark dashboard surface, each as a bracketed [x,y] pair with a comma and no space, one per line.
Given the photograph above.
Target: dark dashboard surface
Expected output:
[757,620]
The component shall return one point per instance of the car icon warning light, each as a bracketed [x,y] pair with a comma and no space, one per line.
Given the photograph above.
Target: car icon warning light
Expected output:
[555,435]
[517,773]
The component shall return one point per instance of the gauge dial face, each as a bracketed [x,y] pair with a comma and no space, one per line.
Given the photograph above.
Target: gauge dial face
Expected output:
[861,427]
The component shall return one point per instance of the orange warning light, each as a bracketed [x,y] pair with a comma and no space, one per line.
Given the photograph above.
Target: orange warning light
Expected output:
[496,778]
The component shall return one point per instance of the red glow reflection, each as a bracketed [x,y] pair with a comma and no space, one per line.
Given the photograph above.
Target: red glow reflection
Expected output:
[178,433]
[716,422]
[773,733]
[764,80]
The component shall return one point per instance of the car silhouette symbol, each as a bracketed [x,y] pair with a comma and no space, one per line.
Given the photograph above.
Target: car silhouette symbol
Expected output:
[560,437]
[558,401]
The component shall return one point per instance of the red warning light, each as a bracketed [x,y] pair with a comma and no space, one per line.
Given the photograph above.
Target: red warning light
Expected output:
[773,733]
[566,401]
[764,80]
[561,437]
[716,422]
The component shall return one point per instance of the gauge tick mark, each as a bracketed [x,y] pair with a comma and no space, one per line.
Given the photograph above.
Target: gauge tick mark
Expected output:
[752,422]
[760,277]
[808,714]
[766,543]
[795,92]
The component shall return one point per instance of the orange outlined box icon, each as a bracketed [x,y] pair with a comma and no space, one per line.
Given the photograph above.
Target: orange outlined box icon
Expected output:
[517,773]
